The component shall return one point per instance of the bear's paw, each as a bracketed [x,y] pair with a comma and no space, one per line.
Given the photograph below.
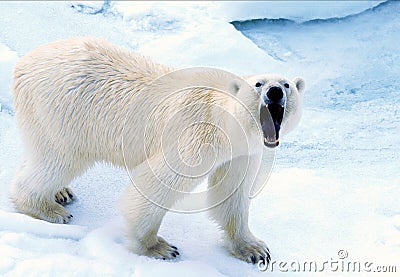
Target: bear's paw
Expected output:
[252,252]
[162,250]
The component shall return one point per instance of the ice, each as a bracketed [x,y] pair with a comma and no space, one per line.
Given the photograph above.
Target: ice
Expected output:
[91,7]
[336,182]
[353,83]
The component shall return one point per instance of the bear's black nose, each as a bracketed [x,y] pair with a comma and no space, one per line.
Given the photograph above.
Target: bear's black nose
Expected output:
[275,94]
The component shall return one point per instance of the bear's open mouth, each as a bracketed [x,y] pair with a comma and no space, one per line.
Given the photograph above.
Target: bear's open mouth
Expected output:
[271,116]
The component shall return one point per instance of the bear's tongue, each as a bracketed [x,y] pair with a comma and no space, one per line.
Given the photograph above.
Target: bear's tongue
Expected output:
[271,119]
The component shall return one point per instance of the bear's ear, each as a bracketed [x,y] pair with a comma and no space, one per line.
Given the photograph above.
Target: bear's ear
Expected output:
[300,84]
[234,86]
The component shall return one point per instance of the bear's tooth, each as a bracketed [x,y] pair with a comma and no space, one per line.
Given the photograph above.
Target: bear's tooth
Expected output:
[270,142]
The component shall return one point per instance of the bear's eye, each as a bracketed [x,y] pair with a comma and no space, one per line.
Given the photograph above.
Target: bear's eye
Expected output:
[286,85]
[258,84]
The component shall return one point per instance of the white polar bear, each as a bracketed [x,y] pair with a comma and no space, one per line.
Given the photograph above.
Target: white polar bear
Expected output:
[84,100]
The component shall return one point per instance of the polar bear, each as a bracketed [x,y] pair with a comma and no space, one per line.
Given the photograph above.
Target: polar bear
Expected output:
[84,100]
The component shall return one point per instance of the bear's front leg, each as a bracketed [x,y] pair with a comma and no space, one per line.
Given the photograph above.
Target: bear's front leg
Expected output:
[230,184]
[143,222]
[153,190]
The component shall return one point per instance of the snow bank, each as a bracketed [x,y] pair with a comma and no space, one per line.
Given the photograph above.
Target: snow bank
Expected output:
[7,61]
[12,222]
[153,15]
[184,34]
[299,11]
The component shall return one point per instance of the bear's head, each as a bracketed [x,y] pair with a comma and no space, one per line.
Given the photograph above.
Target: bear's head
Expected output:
[276,101]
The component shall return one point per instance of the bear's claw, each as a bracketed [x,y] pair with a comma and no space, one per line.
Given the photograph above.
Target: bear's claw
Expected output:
[64,196]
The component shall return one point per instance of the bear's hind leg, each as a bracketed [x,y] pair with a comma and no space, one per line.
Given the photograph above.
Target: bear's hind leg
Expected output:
[35,187]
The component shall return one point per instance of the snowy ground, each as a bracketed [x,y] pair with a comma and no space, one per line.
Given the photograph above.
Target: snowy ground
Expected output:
[336,182]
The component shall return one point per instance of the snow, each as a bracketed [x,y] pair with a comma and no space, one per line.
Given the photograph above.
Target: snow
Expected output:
[7,60]
[335,185]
